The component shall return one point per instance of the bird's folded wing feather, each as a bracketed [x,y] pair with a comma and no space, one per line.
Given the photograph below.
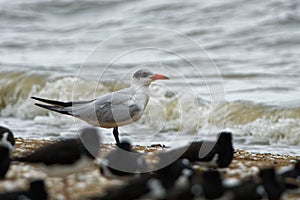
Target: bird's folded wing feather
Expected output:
[68,153]
[108,109]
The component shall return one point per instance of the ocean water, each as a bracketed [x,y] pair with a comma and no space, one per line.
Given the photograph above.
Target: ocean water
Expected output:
[233,66]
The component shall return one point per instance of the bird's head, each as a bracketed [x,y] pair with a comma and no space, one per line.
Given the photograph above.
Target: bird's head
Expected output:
[225,138]
[145,77]
[4,130]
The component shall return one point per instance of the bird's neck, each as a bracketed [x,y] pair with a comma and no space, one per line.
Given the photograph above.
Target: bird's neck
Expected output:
[140,95]
[139,87]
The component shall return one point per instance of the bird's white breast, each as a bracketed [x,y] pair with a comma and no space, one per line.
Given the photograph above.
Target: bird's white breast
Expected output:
[4,142]
[140,98]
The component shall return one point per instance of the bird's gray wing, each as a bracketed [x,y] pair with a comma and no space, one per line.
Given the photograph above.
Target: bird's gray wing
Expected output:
[117,108]
[110,110]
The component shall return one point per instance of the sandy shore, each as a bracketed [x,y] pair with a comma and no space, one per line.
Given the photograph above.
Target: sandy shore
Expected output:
[89,182]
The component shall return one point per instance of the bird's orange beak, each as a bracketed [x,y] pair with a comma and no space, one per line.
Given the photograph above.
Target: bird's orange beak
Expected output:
[159,77]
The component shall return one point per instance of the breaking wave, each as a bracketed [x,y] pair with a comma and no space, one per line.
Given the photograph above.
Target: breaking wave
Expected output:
[177,112]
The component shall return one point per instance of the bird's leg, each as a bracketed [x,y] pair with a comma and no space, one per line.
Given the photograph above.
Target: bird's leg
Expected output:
[116,135]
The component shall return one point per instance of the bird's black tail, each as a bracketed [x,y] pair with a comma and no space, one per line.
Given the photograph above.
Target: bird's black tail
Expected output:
[56,106]
[66,108]
[53,102]
[61,110]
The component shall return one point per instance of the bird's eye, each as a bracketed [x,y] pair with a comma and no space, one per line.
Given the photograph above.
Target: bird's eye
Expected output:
[145,74]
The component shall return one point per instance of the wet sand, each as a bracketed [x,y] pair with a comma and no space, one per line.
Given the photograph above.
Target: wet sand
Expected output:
[90,183]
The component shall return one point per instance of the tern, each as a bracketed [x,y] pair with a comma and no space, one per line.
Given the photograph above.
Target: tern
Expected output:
[216,154]
[67,156]
[111,110]
[4,161]
[122,162]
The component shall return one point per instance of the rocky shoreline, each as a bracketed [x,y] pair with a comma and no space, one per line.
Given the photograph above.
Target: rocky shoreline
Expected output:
[89,182]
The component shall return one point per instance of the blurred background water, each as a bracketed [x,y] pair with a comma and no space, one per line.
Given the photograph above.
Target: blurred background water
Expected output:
[254,44]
